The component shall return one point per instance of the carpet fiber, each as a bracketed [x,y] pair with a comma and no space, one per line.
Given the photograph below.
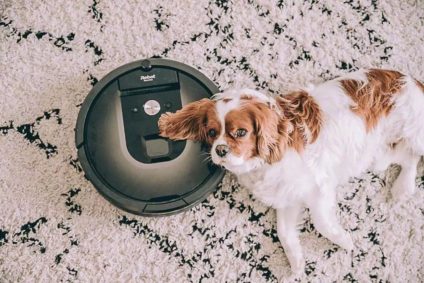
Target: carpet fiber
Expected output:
[54,226]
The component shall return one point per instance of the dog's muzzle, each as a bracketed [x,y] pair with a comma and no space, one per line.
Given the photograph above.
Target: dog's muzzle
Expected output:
[222,150]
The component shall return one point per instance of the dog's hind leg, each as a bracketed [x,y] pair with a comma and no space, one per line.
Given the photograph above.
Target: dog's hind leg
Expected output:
[404,185]
[409,117]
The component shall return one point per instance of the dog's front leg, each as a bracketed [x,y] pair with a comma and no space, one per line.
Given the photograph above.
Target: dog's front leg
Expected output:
[289,238]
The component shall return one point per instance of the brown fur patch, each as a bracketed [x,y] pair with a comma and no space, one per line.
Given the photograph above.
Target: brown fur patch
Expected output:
[374,99]
[246,97]
[420,85]
[226,100]
[192,122]
[300,111]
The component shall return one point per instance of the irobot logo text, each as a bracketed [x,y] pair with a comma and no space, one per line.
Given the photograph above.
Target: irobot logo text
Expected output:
[148,78]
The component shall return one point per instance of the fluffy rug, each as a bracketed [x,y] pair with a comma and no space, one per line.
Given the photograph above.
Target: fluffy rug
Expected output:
[54,226]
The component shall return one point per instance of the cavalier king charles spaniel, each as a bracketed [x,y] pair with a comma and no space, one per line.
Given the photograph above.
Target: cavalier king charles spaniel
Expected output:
[293,150]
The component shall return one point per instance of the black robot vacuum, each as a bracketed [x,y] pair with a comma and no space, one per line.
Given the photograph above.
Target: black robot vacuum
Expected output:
[118,140]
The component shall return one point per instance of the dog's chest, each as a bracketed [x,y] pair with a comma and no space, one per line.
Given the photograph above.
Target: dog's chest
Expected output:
[274,186]
[255,180]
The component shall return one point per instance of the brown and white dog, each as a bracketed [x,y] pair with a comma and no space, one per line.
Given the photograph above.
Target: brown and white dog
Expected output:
[293,150]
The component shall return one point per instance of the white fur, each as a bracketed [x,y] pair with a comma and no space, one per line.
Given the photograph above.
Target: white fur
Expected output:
[236,93]
[343,149]
[222,109]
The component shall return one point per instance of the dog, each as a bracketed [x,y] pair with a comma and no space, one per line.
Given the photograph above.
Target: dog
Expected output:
[293,150]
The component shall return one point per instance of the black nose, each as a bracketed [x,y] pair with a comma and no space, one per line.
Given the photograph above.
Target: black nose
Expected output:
[222,150]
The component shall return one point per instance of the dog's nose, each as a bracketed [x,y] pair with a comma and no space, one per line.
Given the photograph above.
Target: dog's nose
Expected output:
[222,150]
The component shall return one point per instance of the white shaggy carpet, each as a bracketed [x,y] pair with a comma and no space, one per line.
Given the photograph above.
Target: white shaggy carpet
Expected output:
[54,226]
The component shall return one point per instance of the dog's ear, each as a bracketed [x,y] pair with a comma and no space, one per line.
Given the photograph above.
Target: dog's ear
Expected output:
[300,110]
[188,123]
[269,139]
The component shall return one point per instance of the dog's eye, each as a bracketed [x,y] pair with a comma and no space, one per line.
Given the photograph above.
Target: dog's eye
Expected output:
[212,133]
[240,133]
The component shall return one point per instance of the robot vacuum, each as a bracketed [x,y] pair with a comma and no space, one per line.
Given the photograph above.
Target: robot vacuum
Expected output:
[118,140]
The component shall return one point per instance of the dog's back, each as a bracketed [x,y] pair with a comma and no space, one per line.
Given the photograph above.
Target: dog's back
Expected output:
[370,118]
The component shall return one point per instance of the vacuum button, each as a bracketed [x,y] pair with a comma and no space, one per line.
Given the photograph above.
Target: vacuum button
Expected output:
[151,107]
[145,65]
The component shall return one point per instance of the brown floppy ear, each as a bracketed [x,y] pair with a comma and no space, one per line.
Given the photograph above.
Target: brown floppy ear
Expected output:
[269,135]
[300,110]
[188,123]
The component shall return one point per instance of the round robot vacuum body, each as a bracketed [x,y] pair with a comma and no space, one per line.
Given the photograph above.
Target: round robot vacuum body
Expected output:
[118,140]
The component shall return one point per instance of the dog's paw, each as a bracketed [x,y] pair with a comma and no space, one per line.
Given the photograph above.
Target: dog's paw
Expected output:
[345,241]
[297,263]
[403,188]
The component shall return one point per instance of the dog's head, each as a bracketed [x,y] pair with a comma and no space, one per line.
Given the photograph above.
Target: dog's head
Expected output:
[242,128]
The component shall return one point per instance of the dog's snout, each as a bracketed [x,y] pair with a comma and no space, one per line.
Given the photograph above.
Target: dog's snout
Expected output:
[222,150]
